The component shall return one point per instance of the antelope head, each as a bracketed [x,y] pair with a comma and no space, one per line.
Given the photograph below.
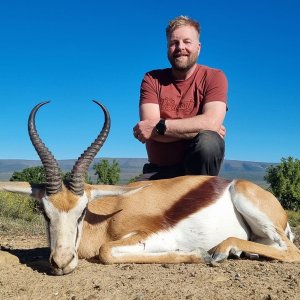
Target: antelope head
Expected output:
[64,203]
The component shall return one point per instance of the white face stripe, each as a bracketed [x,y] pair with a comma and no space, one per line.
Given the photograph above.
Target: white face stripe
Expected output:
[63,221]
[65,230]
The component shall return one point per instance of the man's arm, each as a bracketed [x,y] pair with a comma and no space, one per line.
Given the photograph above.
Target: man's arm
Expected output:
[145,129]
[211,119]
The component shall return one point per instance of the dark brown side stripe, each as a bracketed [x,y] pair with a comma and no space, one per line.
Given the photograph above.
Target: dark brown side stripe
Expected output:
[200,197]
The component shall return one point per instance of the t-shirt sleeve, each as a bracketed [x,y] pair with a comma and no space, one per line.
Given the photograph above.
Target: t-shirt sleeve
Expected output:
[217,87]
[148,91]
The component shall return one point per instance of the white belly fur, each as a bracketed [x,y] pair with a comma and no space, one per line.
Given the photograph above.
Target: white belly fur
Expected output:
[205,229]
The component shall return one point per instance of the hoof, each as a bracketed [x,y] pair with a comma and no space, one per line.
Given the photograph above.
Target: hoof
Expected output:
[252,256]
[204,255]
[219,257]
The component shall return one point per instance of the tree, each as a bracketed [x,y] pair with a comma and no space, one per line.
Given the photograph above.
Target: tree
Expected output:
[107,174]
[38,175]
[67,177]
[284,180]
[31,175]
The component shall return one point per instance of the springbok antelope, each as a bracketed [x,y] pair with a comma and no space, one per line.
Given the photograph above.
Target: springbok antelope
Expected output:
[187,219]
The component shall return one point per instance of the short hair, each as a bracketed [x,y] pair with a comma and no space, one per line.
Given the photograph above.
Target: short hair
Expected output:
[182,21]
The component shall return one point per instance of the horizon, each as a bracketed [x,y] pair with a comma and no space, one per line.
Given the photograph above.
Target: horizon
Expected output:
[111,158]
[71,53]
[130,168]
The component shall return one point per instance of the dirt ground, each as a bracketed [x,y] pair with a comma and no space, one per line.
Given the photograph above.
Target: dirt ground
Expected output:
[24,274]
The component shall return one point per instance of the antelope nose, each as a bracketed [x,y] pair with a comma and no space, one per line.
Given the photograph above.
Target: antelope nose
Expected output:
[61,261]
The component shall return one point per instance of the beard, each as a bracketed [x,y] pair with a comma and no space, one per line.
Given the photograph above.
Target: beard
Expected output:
[182,63]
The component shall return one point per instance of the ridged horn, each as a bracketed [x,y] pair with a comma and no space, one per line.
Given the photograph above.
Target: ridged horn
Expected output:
[83,162]
[52,170]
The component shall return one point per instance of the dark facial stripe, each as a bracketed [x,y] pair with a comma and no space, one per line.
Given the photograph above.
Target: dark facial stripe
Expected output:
[200,197]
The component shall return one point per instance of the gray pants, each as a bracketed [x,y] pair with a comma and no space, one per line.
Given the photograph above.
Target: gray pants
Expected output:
[204,156]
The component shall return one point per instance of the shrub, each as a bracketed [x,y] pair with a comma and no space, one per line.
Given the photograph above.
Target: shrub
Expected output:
[107,173]
[294,218]
[284,180]
[18,206]
[31,175]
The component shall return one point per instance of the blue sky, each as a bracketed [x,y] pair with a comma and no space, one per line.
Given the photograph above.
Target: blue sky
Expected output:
[71,52]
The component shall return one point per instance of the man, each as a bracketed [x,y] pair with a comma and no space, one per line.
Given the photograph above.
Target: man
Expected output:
[182,110]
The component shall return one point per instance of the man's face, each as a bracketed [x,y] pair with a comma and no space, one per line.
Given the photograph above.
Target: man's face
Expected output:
[183,48]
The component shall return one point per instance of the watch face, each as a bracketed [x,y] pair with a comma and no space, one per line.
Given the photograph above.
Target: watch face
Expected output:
[161,127]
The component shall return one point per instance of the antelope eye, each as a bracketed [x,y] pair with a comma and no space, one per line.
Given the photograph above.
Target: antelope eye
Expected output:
[42,210]
[82,216]
[45,216]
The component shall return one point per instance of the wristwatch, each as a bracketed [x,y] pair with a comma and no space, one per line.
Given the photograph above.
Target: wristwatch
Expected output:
[161,127]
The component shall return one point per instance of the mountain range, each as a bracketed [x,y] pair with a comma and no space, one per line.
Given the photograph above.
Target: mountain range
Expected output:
[131,167]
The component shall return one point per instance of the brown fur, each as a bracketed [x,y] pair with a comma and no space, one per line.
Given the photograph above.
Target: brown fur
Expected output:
[65,200]
[130,218]
[152,209]
[201,196]
[264,200]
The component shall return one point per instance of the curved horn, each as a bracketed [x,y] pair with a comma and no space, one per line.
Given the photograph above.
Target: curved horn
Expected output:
[81,166]
[53,177]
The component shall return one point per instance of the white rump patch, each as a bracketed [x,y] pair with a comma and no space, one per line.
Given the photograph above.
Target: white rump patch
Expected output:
[289,233]
[263,229]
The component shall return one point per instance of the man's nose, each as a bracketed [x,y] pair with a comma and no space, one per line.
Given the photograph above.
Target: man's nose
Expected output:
[180,45]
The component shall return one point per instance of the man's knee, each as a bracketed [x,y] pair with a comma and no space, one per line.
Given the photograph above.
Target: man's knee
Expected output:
[205,154]
[208,144]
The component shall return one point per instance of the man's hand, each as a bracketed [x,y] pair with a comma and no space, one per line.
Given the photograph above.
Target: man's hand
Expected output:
[143,130]
[222,131]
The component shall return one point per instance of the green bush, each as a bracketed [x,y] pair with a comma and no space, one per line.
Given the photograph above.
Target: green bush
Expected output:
[31,175]
[67,177]
[107,173]
[284,180]
[18,206]
[294,218]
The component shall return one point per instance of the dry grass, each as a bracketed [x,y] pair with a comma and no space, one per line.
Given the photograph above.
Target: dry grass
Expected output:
[19,215]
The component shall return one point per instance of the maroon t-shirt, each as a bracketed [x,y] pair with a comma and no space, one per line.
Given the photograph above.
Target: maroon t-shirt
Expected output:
[178,100]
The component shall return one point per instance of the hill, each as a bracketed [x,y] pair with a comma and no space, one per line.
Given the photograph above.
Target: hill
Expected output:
[131,167]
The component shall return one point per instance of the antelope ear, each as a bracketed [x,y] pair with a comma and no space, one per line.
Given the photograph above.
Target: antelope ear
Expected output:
[99,191]
[36,191]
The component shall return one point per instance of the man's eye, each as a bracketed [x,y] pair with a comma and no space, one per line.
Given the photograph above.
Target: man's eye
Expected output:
[173,43]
